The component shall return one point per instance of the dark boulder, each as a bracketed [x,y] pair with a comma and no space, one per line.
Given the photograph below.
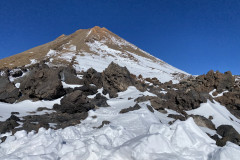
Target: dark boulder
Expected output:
[88,89]
[42,83]
[103,123]
[92,77]
[228,133]
[8,92]
[177,117]
[75,102]
[129,109]
[8,125]
[203,122]
[69,75]
[116,79]
[99,101]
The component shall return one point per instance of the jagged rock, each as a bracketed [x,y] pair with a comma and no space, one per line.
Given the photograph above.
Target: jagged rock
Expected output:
[92,77]
[135,107]
[229,134]
[34,126]
[177,117]
[13,117]
[150,108]
[103,123]
[8,125]
[216,80]
[99,101]
[232,101]
[3,139]
[42,83]
[227,82]
[75,102]
[8,92]
[88,89]
[203,122]
[60,120]
[116,79]
[69,76]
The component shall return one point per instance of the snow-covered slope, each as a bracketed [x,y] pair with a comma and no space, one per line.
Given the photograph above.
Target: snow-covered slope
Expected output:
[97,48]
[139,135]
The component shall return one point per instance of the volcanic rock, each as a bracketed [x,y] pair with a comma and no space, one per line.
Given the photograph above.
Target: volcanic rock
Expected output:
[116,79]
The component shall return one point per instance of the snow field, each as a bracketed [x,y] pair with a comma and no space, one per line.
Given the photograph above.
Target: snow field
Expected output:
[138,134]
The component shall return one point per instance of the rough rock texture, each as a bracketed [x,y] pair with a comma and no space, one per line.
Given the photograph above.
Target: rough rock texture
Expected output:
[228,133]
[75,102]
[116,79]
[93,77]
[203,122]
[8,92]
[99,101]
[42,83]
[232,101]
[55,120]
[9,124]
[68,75]
[135,107]
[88,89]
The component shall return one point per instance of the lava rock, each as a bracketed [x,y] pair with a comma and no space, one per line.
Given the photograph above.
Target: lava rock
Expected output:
[8,92]
[75,102]
[88,89]
[125,110]
[92,77]
[229,134]
[116,79]
[42,83]
[203,122]
[68,75]
[99,101]
[7,126]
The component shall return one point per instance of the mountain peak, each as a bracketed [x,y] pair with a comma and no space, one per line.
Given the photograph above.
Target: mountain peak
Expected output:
[95,47]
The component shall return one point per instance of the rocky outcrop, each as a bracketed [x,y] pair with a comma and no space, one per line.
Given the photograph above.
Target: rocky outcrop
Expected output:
[228,133]
[125,110]
[42,83]
[75,102]
[116,79]
[92,77]
[8,92]
[99,101]
[203,122]
[9,124]
[69,75]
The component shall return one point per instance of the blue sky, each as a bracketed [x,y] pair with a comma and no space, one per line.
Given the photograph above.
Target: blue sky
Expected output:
[192,35]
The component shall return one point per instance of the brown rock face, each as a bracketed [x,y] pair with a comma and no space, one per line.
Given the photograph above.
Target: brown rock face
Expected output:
[75,102]
[8,92]
[203,122]
[228,133]
[216,80]
[93,77]
[42,83]
[116,79]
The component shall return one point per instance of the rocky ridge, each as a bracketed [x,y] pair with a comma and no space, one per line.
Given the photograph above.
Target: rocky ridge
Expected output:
[41,82]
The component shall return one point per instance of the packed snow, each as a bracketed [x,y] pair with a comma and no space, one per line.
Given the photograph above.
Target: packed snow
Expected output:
[139,135]
[219,113]
[24,108]
[65,85]
[218,95]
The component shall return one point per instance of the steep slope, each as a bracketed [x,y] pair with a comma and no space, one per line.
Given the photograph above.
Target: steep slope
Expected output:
[97,48]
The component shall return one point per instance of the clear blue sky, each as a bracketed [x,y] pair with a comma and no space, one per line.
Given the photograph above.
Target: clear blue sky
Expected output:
[192,35]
